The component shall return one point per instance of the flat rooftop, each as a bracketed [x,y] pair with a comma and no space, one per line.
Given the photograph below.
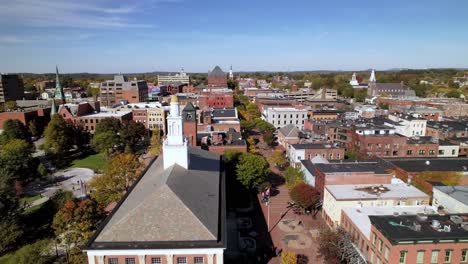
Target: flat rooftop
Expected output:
[459,193]
[431,164]
[407,229]
[374,191]
[376,166]
[109,114]
[360,215]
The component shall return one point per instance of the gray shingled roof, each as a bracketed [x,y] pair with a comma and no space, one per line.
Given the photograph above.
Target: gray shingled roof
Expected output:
[175,204]
[289,131]
[217,72]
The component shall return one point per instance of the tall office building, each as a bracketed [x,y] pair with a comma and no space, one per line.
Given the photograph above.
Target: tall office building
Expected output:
[11,87]
[120,89]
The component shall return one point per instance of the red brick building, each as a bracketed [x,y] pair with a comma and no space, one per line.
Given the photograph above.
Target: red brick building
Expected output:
[307,151]
[189,115]
[39,115]
[217,78]
[140,116]
[220,98]
[354,172]
[87,116]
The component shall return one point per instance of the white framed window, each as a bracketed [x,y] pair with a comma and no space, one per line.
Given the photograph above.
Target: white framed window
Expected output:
[130,261]
[113,261]
[156,260]
[434,256]
[181,260]
[403,257]
[420,257]
[198,260]
[464,256]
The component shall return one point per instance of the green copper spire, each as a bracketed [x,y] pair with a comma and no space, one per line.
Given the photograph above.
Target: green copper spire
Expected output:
[58,88]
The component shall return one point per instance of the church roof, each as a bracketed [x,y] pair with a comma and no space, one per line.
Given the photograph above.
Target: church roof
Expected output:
[217,72]
[172,208]
[189,107]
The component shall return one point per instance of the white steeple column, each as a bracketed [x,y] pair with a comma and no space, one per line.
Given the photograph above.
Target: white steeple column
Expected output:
[220,258]
[175,149]
[169,259]
[91,259]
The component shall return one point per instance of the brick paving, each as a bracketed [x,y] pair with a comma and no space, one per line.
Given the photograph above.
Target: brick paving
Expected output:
[278,207]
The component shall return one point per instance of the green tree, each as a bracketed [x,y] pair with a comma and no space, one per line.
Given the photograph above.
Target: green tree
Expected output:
[122,171]
[453,93]
[17,155]
[268,138]
[58,136]
[252,170]
[131,133]
[10,230]
[11,105]
[105,142]
[108,124]
[277,158]
[33,128]
[14,129]
[360,95]
[293,176]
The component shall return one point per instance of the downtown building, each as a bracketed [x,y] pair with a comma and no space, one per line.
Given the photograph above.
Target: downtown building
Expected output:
[122,90]
[11,88]
[175,212]
[178,78]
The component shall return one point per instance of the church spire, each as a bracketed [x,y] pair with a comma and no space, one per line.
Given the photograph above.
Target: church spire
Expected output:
[58,87]
[231,74]
[372,77]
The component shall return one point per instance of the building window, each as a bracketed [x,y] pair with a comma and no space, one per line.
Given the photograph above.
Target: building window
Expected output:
[421,152]
[434,256]
[448,256]
[387,252]
[409,152]
[374,239]
[380,245]
[155,260]
[420,257]
[198,260]
[431,152]
[182,260]
[113,261]
[403,257]
[129,260]
[464,256]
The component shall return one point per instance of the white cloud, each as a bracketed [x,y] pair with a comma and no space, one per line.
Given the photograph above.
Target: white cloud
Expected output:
[61,13]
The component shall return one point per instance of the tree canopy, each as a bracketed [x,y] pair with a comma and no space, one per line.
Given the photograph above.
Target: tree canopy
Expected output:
[58,136]
[293,176]
[18,160]
[14,129]
[252,170]
[122,171]
[304,195]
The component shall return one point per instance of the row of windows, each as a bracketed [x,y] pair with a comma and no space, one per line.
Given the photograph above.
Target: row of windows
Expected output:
[157,260]
[285,116]
[284,122]
[420,152]
[434,259]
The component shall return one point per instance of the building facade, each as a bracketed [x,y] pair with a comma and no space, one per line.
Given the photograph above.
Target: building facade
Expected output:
[180,77]
[280,117]
[121,89]
[11,87]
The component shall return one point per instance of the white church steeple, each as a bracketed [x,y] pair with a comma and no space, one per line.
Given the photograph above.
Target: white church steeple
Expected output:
[372,77]
[354,81]
[231,74]
[175,148]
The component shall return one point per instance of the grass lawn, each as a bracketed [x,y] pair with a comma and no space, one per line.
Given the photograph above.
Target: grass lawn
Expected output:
[29,199]
[96,162]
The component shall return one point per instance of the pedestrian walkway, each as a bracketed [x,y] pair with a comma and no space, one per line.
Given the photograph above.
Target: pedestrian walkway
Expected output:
[289,231]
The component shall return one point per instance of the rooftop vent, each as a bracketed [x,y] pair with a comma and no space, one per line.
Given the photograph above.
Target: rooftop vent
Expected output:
[456,219]
[421,217]
[435,224]
[416,227]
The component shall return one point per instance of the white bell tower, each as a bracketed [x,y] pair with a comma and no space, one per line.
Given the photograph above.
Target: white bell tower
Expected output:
[175,148]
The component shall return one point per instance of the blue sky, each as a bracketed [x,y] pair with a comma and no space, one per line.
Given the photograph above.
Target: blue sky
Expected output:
[108,36]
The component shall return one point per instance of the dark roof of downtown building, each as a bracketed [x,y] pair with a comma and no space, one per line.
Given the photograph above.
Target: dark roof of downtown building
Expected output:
[459,125]
[216,72]
[315,146]
[431,164]
[172,208]
[375,166]
[409,229]
[224,112]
